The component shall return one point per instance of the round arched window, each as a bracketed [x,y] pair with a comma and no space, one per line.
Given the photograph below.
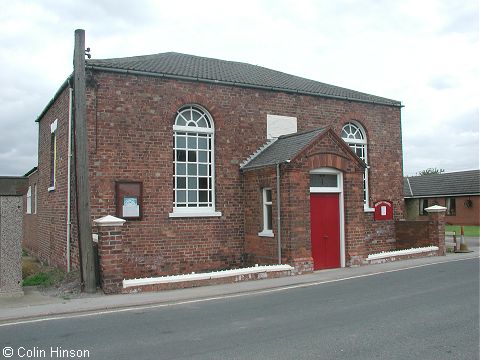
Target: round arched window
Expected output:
[192,116]
[351,132]
[354,135]
[193,159]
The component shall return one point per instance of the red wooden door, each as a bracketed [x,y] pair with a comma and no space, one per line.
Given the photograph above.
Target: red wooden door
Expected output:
[325,230]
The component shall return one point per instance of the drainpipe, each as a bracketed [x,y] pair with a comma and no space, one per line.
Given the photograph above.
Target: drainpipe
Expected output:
[69,169]
[279,233]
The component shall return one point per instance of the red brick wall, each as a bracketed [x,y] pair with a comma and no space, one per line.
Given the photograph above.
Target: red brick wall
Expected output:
[130,127]
[463,216]
[130,122]
[363,235]
[260,249]
[30,238]
[421,233]
[51,227]
[328,153]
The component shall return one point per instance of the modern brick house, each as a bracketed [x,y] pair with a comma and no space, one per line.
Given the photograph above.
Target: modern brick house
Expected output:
[458,191]
[195,153]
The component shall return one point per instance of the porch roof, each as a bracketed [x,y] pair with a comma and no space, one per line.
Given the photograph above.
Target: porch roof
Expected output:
[281,150]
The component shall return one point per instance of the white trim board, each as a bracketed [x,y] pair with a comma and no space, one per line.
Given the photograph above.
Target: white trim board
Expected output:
[387,254]
[204,276]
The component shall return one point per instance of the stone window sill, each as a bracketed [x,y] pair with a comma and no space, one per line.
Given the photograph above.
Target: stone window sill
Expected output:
[195,214]
[266,233]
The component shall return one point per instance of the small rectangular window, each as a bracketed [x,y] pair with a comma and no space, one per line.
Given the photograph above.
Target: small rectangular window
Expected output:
[267,210]
[53,154]
[35,198]
[29,200]
[423,205]
[323,180]
[451,206]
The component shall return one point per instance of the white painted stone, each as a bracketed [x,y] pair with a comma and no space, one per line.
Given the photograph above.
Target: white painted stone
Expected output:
[205,276]
[387,254]
[436,209]
[109,220]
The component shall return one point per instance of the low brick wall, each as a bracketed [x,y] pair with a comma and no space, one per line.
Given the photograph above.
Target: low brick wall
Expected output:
[402,257]
[421,233]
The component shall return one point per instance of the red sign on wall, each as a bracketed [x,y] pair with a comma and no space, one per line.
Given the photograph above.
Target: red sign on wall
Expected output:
[383,210]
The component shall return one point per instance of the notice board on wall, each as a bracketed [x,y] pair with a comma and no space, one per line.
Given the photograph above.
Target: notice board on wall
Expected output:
[129,199]
[383,210]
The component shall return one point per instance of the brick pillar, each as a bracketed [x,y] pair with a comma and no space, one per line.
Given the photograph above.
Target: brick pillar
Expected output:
[110,253]
[436,227]
[302,265]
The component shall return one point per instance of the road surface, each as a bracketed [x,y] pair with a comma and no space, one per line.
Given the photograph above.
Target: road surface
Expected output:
[429,312]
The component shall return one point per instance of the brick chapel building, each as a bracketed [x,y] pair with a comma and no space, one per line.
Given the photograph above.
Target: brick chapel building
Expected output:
[219,164]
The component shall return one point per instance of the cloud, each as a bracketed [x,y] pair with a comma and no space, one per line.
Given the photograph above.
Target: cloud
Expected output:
[451,146]
[422,53]
[442,82]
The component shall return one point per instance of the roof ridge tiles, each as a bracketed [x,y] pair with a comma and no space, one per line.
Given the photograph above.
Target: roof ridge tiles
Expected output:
[200,68]
[257,152]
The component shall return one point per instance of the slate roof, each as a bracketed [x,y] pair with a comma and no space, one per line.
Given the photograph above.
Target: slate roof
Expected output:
[454,183]
[196,68]
[282,149]
[13,185]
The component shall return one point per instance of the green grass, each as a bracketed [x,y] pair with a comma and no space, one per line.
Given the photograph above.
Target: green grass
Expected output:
[38,279]
[47,277]
[468,230]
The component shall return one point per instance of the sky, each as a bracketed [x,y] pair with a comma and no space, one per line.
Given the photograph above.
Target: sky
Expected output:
[422,53]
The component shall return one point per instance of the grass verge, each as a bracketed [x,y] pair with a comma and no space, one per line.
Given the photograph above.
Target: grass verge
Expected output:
[468,230]
[47,277]
[35,273]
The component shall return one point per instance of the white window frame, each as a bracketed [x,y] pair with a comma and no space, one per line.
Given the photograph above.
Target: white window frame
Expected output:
[29,200]
[35,198]
[53,131]
[422,206]
[354,143]
[197,211]
[265,203]
[448,205]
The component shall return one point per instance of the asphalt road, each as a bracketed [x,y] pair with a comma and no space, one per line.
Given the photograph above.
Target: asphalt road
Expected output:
[429,312]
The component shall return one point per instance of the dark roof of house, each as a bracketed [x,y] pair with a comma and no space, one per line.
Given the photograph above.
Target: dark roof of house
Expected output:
[281,150]
[196,68]
[454,183]
[31,171]
[13,185]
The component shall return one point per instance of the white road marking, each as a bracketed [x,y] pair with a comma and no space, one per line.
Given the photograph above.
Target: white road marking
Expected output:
[221,297]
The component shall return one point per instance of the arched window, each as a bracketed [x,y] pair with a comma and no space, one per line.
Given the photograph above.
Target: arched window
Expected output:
[354,135]
[193,162]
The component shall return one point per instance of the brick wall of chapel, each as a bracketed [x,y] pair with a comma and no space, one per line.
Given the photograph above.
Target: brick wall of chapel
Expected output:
[30,239]
[51,219]
[130,138]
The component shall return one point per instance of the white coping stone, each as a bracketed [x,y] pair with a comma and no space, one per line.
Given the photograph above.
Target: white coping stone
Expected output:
[435,209]
[109,220]
[387,254]
[204,276]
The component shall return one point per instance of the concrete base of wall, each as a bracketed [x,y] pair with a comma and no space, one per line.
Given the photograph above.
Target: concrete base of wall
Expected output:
[302,265]
[10,294]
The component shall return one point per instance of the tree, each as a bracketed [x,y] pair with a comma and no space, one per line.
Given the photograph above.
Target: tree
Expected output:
[431,171]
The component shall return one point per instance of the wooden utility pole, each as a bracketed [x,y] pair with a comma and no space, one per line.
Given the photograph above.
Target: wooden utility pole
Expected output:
[81,161]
